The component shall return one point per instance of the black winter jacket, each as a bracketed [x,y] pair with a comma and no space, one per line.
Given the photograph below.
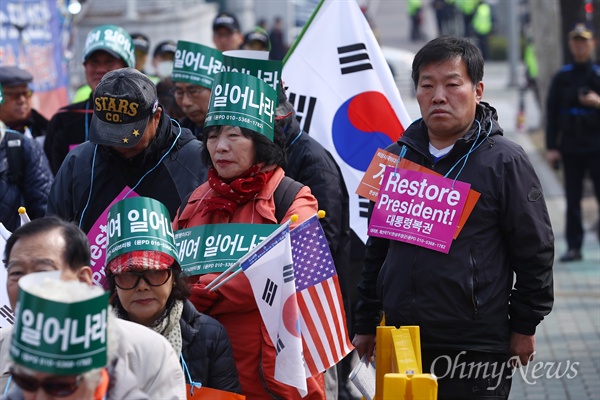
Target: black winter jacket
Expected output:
[571,127]
[32,191]
[189,124]
[36,124]
[68,127]
[178,174]
[207,351]
[466,300]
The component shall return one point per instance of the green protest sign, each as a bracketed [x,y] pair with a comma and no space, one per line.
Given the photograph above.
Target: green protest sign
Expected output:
[1,95]
[196,64]
[139,223]
[214,248]
[242,100]
[58,337]
[267,70]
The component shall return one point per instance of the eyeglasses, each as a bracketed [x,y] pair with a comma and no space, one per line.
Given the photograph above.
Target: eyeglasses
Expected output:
[17,94]
[59,387]
[129,280]
[192,92]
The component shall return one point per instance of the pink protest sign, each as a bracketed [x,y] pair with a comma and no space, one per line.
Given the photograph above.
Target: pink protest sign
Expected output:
[98,240]
[418,208]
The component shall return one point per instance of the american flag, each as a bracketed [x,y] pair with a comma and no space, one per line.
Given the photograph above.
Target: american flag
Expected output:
[322,319]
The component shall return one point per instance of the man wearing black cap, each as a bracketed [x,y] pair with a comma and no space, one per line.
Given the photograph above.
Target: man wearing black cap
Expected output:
[162,59]
[134,148]
[573,130]
[107,48]
[226,32]
[141,44]
[257,39]
[16,112]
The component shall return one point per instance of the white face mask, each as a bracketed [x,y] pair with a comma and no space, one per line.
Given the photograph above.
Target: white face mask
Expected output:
[164,69]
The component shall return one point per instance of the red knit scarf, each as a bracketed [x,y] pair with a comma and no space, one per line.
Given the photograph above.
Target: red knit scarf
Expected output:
[231,194]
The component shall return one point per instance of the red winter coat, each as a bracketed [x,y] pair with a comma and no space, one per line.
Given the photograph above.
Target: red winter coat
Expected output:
[235,306]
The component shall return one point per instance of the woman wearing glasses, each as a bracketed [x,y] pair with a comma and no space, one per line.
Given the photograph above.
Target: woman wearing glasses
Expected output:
[147,287]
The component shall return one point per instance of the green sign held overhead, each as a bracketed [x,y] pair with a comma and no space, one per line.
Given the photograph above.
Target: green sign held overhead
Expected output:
[196,64]
[242,100]
[243,61]
[214,248]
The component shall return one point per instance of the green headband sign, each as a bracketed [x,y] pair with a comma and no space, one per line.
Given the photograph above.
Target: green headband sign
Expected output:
[196,64]
[247,62]
[58,337]
[139,223]
[242,100]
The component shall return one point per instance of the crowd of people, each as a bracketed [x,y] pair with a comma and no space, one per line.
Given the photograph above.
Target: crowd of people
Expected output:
[174,146]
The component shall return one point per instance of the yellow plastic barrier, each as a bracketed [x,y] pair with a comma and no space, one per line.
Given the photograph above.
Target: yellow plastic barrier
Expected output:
[399,371]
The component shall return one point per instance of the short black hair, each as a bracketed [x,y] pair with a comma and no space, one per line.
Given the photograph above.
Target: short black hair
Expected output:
[267,151]
[446,48]
[77,247]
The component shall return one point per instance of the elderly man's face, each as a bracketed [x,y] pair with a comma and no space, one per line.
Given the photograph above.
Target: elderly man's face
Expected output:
[44,386]
[193,100]
[17,104]
[38,253]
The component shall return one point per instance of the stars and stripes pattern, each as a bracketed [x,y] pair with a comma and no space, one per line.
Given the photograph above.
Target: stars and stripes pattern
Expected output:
[325,338]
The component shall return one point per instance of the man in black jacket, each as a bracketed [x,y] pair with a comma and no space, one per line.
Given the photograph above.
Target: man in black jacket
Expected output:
[465,303]
[134,148]
[573,130]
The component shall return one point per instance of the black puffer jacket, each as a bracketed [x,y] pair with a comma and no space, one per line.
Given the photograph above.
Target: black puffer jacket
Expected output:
[207,351]
[68,127]
[195,129]
[36,124]
[572,127]
[32,191]
[178,174]
[463,300]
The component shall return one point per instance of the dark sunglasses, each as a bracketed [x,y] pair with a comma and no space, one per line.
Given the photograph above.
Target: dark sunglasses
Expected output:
[58,387]
[129,280]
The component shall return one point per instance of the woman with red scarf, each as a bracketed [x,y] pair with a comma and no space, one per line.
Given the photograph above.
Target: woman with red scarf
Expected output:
[246,168]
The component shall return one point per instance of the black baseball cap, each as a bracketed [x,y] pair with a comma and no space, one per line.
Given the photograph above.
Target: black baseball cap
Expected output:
[226,20]
[581,31]
[259,35]
[123,102]
[141,42]
[165,47]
